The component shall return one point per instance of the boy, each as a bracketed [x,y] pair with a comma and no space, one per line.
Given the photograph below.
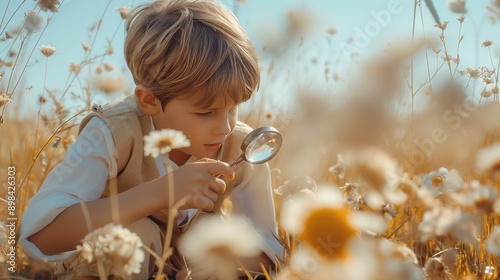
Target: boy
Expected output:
[193,65]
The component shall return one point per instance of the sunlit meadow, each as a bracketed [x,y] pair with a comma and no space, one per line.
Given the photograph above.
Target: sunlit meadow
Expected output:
[390,167]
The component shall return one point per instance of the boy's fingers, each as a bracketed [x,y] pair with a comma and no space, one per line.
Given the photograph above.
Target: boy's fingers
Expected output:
[209,191]
[219,168]
[218,186]
[202,202]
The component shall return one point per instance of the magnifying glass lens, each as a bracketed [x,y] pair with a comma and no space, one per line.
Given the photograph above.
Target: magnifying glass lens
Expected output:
[265,146]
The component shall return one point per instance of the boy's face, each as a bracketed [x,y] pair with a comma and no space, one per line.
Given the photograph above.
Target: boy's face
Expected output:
[205,128]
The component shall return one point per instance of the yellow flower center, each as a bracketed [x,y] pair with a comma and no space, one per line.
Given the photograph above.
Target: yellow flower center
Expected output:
[484,204]
[437,181]
[327,230]
[164,142]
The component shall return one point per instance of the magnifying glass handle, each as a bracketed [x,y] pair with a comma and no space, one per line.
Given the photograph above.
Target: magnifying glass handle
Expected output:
[237,160]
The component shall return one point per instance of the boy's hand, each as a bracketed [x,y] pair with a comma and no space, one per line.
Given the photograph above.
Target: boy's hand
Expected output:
[198,182]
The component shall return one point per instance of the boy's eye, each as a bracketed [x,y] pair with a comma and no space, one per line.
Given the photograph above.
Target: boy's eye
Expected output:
[204,114]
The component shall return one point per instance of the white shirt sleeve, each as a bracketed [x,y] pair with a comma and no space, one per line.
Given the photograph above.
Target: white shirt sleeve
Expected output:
[81,176]
[253,198]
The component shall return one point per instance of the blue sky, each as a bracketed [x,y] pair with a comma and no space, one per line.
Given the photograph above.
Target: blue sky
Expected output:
[371,24]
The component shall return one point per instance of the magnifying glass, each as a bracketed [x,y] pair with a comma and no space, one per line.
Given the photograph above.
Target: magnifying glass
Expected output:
[259,146]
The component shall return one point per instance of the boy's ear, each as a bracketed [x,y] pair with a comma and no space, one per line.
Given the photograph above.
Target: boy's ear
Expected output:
[148,103]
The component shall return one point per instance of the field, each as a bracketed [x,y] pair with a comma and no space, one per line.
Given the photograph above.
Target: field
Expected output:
[390,165]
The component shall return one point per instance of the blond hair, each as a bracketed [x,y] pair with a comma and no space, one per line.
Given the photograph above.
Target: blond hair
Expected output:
[176,46]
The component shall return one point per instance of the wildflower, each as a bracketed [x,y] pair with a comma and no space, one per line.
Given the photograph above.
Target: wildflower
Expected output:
[98,70]
[388,212]
[381,257]
[448,58]
[473,73]
[493,242]
[124,11]
[332,31]
[352,196]
[456,6]
[442,26]
[214,238]
[296,184]
[85,47]
[442,221]
[441,181]
[488,159]
[477,196]
[110,49]
[486,93]
[484,198]
[109,84]
[118,248]
[48,5]
[47,50]
[324,223]
[487,80]
[108,66]
[380,171]
[4,99]
[461,19]
[32,22]
[74,67]
[487,43]
[163,141]
[435,269]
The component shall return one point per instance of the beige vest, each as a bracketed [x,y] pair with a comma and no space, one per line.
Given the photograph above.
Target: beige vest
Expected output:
[128,125]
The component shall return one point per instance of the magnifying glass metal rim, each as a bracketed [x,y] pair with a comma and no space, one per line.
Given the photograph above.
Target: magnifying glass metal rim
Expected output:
[253,137]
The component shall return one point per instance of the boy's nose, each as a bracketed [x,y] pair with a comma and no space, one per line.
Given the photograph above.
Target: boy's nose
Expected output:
[223,126]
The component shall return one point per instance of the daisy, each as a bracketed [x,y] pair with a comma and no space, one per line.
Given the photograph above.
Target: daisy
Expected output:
[32,22]
[475,195]
[163,141]
[442,221]
[381,172]
[117,247]
[442,180]
[324,223]
[484,198]
[296,184]
[488,159]
[212,239]
[47,50]
[419,197]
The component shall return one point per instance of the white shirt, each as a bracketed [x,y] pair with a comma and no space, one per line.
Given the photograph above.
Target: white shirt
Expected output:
[92,160]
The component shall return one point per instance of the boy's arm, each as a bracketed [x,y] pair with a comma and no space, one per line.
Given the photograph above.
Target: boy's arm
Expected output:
[81,176]
[69,227]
